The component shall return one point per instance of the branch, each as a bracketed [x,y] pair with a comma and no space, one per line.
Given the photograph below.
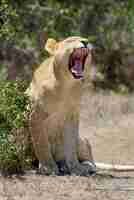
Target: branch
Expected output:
[114,167]
[111,167]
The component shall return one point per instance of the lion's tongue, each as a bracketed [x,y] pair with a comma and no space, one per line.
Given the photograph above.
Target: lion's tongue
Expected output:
[77,68]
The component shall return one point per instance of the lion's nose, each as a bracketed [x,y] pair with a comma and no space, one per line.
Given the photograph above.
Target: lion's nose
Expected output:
[90,46]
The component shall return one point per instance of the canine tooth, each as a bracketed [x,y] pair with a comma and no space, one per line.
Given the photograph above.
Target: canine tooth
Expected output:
[74,71]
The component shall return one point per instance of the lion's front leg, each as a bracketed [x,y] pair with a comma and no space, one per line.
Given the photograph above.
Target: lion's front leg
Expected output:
[71,144]
[39,134]
[85,154]
[71,149]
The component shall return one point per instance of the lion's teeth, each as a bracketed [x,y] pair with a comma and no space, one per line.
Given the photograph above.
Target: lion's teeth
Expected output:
[75,72]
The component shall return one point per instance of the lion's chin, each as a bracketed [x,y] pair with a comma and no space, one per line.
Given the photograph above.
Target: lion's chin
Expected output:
[77,61]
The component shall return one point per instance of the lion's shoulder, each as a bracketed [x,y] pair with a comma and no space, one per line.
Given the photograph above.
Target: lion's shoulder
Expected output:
[43,79]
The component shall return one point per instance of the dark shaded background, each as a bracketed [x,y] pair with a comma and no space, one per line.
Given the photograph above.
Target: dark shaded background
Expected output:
[26,25]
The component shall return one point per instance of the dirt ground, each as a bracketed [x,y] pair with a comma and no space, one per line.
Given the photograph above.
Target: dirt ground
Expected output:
[107,121]
[34,187]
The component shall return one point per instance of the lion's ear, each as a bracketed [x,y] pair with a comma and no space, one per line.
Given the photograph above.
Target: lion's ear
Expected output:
[51,46]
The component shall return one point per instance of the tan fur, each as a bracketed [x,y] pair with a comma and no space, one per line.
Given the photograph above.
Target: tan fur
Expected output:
[54,120]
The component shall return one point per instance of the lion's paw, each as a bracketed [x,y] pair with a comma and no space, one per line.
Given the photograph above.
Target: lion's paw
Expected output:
[84,169]
[47,170]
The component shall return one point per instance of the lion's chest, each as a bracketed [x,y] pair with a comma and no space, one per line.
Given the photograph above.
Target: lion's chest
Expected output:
[66,101]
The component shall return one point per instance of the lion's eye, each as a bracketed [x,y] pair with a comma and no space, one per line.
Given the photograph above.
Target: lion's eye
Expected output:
[85,43]
[79,45]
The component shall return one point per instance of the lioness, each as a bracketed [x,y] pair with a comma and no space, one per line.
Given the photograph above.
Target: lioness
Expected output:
[55,93]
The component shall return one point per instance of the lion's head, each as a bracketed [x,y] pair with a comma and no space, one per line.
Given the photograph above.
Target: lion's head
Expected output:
[72,57]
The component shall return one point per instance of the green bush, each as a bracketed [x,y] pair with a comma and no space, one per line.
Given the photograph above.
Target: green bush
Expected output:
[13,111]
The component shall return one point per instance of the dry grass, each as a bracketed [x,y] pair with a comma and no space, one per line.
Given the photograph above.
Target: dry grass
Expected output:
[107,119]
[104,107]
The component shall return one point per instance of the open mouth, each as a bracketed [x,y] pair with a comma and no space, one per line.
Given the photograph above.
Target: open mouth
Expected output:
[77,62]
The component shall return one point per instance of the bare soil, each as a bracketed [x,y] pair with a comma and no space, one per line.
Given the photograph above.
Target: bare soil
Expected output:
[107,121]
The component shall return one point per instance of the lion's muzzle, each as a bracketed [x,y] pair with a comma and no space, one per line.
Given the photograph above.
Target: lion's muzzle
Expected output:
[77,62]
